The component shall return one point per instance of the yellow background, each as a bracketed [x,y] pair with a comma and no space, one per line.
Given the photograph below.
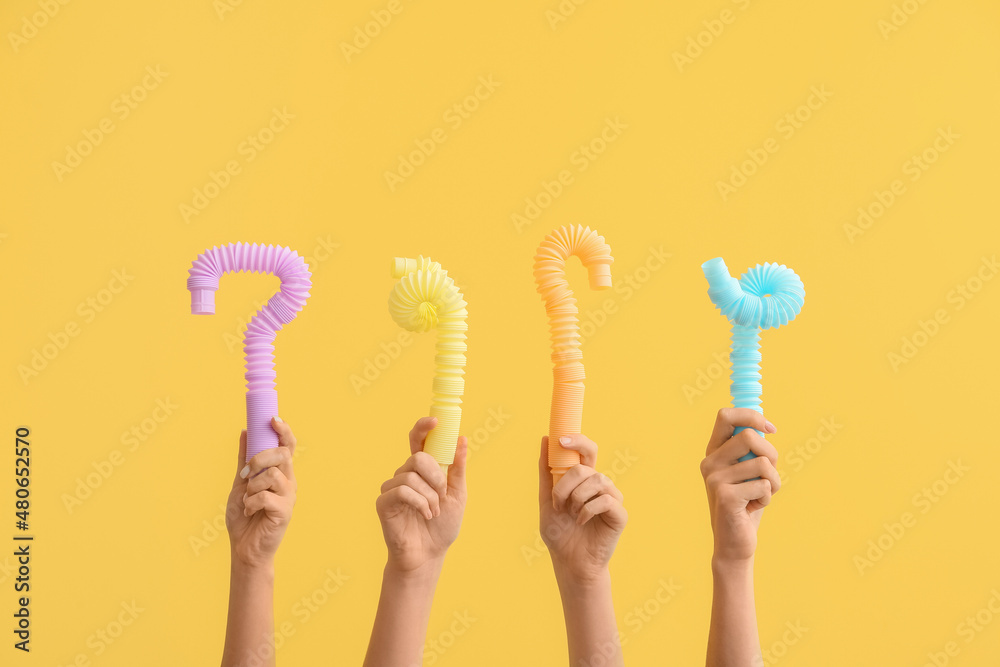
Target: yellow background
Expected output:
[656,185]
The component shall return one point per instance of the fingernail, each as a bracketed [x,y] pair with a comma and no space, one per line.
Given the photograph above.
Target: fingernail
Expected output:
[769,427]
[565,440]
[245,471]
[244,499]
[278,419]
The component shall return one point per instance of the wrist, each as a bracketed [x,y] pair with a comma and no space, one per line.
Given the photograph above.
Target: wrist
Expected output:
[572,577]
[252,570]
[426,573]
[732,568]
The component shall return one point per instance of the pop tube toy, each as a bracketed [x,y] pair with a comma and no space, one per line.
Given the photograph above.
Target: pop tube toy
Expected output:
[765,297]
[566,414]
[258,341]
[426,298]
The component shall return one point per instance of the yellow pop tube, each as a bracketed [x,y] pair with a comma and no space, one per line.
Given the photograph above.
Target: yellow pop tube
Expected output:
[427,298]
[566,415]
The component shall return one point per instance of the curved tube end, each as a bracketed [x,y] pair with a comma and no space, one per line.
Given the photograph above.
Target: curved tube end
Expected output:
[715,271]
[403,265]
[202,302]
[600,276]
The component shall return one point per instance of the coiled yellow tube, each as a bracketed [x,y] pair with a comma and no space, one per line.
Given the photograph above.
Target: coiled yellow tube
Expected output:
[427,298]
[566,414]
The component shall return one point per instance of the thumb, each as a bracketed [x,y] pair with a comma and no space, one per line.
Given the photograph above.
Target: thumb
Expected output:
[456,471]
[544,475]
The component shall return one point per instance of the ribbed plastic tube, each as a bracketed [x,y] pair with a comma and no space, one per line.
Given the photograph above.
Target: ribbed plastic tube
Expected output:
[566,413]
[258,341]
[426,298]
[765,297]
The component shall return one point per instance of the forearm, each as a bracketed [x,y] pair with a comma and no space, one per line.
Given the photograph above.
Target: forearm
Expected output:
[250,626]
[591,628]
[404,610]
[732,638]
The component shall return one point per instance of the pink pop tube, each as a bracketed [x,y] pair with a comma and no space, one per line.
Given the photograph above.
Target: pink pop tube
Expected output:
[258,341]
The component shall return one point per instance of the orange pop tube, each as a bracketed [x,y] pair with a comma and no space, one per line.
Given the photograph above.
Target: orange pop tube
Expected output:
[427,298]
[566,414]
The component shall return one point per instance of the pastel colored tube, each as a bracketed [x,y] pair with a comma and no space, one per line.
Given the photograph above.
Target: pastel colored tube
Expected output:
[426,298]
[258,341]
[566,412]
[765,297]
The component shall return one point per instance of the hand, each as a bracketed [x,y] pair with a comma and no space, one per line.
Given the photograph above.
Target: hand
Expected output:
[260,503]
[736,498]
[582,518]
[420,510]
